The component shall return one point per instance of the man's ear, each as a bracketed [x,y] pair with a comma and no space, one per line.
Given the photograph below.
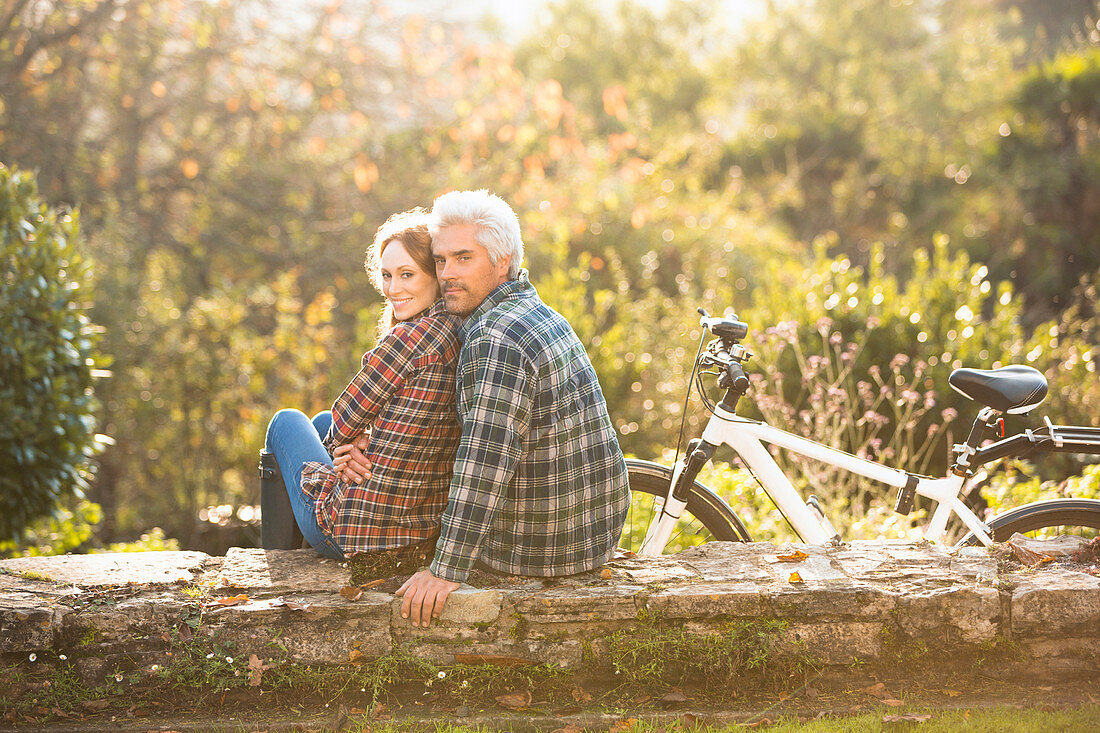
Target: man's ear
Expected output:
[502,266]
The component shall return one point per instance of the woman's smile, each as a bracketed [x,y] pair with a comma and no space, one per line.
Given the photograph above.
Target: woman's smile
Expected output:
[406,286]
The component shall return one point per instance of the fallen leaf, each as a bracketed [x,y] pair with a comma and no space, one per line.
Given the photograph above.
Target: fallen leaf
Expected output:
[185,633]
[351,592]
[642,699]
[758,723]
[373,584]
[607,574]
[256,669]
[355,656]
[379,712]
[569,729]
[95,704]
[580,695]
[688,720]
[515,700]
[622,725]
[228,601]
[795,578]
[878,690]
[952,693]
[892,702]
[917,717]
[796,556]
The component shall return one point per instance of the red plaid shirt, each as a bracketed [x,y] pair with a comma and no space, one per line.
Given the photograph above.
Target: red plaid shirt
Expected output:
[403,399]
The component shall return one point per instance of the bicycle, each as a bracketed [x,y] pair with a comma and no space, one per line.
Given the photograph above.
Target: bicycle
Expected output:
[679,503]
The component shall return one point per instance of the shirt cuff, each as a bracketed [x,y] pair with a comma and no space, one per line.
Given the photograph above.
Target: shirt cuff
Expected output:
[451,572]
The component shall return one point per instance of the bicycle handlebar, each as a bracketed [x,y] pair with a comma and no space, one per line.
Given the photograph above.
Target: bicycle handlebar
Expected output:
[727,329]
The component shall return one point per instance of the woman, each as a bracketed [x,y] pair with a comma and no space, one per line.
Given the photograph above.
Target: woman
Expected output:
[402,401]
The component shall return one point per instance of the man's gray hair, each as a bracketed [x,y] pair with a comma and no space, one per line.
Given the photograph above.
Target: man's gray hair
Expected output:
[496,226]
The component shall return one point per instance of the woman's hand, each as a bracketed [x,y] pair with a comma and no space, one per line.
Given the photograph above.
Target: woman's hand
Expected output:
[350,463]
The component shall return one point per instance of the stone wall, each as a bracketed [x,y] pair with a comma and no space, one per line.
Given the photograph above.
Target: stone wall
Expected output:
[889,605]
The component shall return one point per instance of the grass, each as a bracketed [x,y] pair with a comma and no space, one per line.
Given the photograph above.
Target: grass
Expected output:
[743,652]
[33,575]
[999,719]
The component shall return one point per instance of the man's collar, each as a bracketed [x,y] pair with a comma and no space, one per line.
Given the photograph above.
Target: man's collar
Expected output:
[499,294]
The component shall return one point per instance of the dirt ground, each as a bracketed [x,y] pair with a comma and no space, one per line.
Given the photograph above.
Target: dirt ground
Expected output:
[251,710]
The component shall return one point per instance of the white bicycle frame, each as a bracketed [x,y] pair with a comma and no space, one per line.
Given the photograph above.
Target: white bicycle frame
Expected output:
[747,438]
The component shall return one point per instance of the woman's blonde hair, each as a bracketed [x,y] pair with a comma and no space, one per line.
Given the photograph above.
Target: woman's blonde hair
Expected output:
[411,229]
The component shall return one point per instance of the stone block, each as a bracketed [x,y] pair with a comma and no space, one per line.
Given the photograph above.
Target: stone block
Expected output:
[955,614]
[470,606]
[974,562]
[827,600]
[818,566]
[333,630]
[1054,601]
[112,568]
[708,600]
[721,562]
[834,642]
[124,620]
[566,654]
[469,614]
[584,604]
[662,570]
[27,623]
[282,571]
[1050,659]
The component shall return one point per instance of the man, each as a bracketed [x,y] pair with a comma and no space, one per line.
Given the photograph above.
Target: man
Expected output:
[539,485]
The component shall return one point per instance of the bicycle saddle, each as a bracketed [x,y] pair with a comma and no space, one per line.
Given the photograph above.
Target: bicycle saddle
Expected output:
[1012,389]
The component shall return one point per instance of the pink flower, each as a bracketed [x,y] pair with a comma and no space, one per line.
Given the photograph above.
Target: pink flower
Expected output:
[899,361]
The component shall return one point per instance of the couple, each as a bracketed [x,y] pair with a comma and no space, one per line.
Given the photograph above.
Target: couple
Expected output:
[476,424]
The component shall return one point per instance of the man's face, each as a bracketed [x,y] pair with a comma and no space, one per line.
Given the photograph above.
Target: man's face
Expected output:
[465,273]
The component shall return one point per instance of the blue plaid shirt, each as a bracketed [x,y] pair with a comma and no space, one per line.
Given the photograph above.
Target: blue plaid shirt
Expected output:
[539,484]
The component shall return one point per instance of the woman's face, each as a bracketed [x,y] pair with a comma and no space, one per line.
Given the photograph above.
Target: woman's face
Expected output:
[408,288]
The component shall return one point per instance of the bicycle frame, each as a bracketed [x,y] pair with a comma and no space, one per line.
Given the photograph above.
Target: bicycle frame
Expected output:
[747,438]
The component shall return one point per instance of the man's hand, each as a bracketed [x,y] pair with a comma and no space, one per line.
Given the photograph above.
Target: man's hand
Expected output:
[424,595]
[350,463]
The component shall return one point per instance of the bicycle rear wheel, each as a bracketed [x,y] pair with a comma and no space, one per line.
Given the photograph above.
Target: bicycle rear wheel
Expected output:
[706,518]
[1048,518]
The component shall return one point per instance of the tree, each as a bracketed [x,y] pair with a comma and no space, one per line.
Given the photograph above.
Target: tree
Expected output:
[47,350]
[224,156]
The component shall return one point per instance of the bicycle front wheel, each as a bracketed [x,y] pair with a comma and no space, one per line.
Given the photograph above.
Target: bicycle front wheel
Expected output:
[1049,518]
[706,518]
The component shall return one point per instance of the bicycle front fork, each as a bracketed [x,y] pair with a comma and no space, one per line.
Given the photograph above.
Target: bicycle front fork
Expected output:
[683,477]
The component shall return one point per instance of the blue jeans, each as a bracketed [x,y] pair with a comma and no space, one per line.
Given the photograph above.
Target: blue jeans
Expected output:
[294,439]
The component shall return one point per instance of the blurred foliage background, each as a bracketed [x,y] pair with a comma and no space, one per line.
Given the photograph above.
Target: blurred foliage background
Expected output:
[883,190]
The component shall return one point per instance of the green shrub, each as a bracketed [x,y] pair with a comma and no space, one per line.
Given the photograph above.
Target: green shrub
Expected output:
[46,350]
[70,525]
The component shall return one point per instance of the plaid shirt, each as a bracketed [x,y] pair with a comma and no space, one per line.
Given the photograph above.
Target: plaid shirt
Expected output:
[403,399]
[539,483]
